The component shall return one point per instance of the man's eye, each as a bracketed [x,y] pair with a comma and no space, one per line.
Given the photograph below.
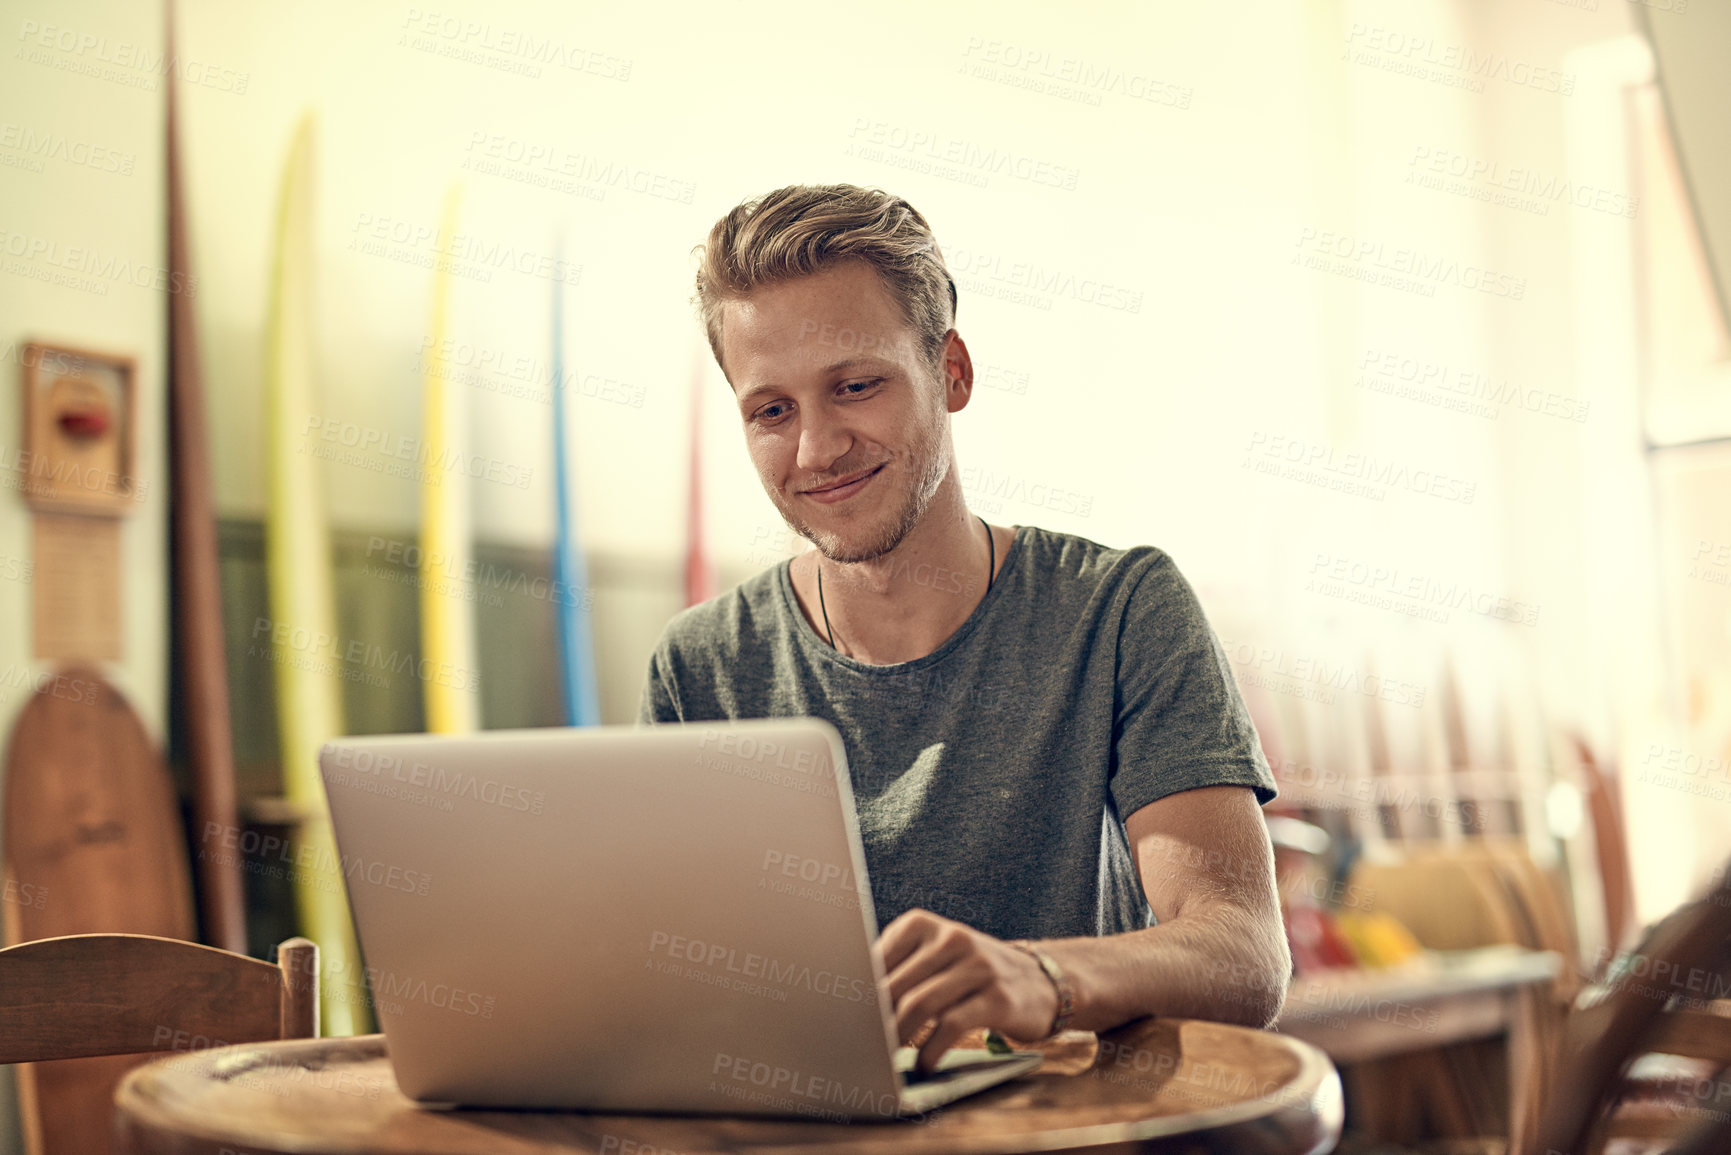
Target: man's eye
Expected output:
[860,385]
[767,413]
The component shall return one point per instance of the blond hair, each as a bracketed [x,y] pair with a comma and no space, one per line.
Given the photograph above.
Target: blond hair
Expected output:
[803,229]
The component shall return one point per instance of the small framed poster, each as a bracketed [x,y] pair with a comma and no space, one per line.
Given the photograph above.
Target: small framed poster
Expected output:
[80,432]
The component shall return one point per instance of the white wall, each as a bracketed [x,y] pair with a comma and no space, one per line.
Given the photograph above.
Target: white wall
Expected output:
[1271,136]
[1273,131]
[82,199]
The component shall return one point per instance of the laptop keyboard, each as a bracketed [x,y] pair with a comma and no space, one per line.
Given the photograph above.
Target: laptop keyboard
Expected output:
[956,1061]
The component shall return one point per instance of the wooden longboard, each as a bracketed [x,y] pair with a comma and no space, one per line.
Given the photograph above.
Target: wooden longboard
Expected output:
[93,842]
[199,663]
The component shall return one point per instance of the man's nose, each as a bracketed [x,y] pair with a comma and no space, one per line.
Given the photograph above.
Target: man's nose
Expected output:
[821,444]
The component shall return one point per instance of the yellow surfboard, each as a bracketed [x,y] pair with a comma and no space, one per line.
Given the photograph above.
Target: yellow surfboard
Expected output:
[302,605]
[447,617]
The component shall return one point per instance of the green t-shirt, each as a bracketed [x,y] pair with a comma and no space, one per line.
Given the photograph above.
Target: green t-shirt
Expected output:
[991,776]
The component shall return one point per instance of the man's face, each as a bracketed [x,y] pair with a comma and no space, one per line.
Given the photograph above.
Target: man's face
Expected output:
[832,387]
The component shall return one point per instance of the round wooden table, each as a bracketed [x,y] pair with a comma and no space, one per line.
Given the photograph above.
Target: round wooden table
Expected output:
[1155,1085]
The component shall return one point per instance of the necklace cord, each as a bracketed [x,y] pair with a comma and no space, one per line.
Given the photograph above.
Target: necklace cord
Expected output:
[991,568]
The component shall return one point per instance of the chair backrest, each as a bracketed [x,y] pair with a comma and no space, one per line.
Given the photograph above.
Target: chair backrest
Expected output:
[1668,1000]
[121,994]
[1605,808]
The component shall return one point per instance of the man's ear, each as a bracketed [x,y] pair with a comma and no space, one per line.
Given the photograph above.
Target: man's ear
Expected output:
[956,371]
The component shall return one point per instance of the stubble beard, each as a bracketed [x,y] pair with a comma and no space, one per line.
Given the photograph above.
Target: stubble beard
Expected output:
[929,457]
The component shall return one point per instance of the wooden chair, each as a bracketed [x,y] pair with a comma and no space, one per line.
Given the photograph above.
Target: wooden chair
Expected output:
[129,994]
[1605,808]
[1460,867]
[1590,1099]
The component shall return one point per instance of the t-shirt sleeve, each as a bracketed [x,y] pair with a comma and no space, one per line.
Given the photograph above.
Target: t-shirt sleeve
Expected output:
[1178,720]
[656,703]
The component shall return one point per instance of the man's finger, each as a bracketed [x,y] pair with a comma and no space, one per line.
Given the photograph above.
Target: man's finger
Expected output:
[936,953]
[978,1011]
[937,995]
[904,934]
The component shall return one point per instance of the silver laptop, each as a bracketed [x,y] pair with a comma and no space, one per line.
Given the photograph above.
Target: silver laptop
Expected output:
[670,918]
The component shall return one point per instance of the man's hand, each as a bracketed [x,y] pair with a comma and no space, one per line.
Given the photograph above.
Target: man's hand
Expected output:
[1218,953]
[963,978]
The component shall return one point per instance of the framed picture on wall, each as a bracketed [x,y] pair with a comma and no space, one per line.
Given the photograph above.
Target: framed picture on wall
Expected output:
[80,433]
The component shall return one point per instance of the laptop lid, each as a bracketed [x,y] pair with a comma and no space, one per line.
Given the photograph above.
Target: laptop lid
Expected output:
[663,918]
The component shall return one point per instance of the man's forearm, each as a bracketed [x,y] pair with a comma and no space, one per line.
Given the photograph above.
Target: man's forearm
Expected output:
[1224,964]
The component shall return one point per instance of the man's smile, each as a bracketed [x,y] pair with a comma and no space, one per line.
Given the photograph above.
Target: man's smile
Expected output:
[845,488]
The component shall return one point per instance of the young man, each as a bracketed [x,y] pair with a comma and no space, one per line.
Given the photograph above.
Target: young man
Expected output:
[1043,735]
